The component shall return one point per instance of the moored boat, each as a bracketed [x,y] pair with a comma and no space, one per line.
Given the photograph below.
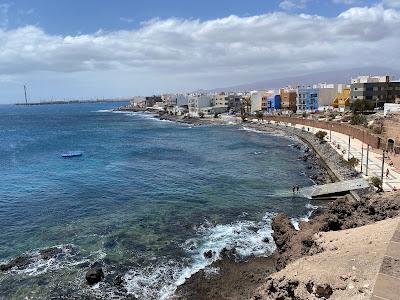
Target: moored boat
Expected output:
[72,154]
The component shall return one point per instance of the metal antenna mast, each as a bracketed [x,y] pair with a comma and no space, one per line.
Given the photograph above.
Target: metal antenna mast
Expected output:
[26,98]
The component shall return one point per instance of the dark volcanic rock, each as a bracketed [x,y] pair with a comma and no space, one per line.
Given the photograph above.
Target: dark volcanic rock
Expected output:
[94,276]
[266,240]
[20,263]
[229,254]
[324,290]
[283,232]
[208,254]
[50,252]
[281,288]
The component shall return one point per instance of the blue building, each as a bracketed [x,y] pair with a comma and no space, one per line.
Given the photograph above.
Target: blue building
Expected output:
[307,99]
[274,103]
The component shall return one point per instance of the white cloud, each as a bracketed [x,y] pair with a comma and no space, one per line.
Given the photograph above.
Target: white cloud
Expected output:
[178,54]
[348,2]
[293,4]
[127,20]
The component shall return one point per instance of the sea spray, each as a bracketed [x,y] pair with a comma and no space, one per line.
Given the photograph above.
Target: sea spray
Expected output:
[304,218]
[248,238]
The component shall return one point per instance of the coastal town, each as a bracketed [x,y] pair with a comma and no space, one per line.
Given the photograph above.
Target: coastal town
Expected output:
[361,115]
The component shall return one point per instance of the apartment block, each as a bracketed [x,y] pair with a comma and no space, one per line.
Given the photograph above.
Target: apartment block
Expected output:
[288,98]
[375,90]
[307,99]
[342,100]
[198,102]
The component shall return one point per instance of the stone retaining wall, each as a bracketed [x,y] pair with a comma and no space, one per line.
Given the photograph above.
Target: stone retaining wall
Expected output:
[357,133]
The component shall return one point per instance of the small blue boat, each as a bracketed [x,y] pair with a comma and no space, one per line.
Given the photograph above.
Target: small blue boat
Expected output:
[72,154]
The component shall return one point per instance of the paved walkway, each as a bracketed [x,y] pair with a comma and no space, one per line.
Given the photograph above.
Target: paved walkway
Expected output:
[340,142]
[387,285]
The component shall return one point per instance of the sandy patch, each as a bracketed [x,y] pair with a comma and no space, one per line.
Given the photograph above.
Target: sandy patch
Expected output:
[349,263]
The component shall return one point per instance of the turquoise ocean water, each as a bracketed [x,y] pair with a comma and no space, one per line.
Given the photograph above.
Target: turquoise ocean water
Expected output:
[146,199]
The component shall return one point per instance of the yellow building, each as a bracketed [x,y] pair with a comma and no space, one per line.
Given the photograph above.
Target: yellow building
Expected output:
[342,100]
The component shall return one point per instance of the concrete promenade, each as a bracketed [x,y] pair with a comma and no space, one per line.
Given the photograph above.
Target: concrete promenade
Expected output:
[340,142]
[387,285]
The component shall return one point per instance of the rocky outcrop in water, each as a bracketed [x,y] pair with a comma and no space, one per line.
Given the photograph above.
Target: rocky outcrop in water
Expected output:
[208,254]
[94,276]
[229,254]
[22,262]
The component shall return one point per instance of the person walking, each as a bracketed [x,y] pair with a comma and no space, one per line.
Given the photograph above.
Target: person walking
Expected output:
[294,188]
[297,188]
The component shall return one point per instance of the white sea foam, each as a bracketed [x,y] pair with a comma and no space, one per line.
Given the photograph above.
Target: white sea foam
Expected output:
[252,130]
[104,110]
[39,266]
[305,218]
[247,237]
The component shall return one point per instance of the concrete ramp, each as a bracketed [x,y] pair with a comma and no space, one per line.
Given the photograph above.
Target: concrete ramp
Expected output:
[337,188]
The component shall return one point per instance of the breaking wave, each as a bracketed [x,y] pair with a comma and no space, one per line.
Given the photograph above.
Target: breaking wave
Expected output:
[248,238]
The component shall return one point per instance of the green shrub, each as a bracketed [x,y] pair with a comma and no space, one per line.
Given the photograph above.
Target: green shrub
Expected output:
[259,115]
[376,182]
[361,106]
[321,135]
[358,120]
[353,162]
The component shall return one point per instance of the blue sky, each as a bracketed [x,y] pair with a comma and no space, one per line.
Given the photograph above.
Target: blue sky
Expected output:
[87,49]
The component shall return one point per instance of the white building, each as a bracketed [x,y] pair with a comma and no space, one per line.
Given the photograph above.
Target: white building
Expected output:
[371,79]
[181,100]
[220,100]
[327,93]
[197,103]
[391,108]
[259,100]
[174,99]
[138,101]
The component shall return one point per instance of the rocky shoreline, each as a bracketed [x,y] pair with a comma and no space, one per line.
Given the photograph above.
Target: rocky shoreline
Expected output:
[162,115]
[241,279]
[233,278]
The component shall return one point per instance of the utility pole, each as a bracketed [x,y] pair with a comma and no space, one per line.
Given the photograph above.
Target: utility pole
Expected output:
[26,97]
[366,167]
[362,152]
[348,154]
[383,166]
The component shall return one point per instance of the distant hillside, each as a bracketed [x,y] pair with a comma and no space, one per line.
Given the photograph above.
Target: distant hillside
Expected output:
[342,76]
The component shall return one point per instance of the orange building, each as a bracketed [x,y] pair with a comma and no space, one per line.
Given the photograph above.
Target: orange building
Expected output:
[342,100]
